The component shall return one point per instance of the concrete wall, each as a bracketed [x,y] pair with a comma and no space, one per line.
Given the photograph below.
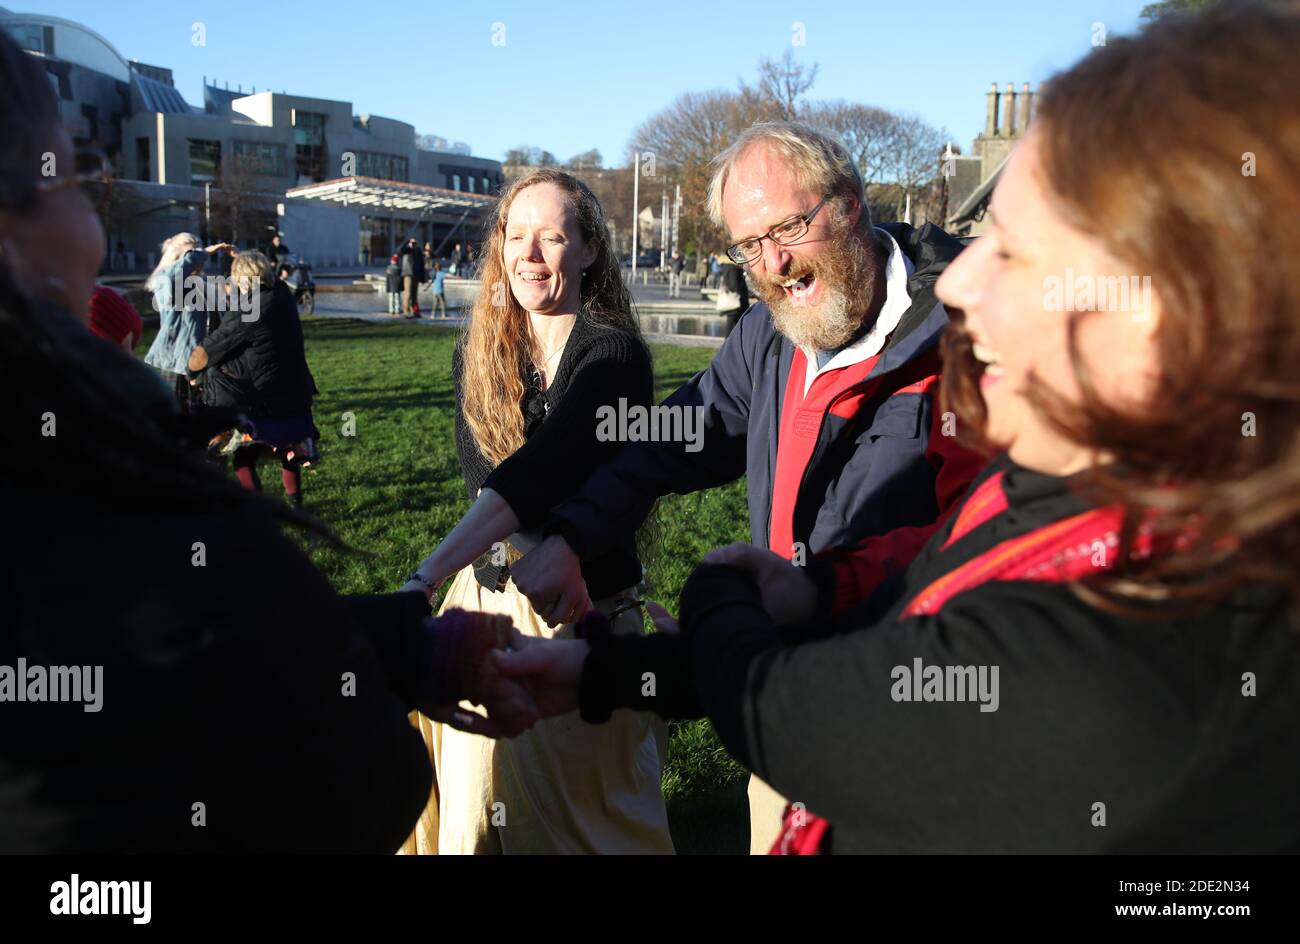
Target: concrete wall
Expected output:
[322,234]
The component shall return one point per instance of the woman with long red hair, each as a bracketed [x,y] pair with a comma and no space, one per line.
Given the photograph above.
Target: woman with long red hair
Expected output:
[551,340]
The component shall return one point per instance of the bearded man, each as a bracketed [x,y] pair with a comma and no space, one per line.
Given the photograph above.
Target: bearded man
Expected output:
[823,397]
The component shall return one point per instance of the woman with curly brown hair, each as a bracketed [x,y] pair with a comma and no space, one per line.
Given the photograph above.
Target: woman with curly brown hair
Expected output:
[1099,651]
[551,340]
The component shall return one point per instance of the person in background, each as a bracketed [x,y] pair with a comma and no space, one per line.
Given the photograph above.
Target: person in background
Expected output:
[393,285]
[278,252]
[181,327]
[702,273]
[222,683]
[115,319]
[715,270]
[455,262]
[439,303]
[412,276]
[733,294]
[428,260]
[258,366]
[675,268]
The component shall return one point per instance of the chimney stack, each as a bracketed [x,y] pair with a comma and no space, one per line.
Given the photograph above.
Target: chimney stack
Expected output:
[991,116]
[1008,109]
[1026,109]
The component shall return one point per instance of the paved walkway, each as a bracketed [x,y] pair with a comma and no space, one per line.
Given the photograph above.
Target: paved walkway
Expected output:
[686,321]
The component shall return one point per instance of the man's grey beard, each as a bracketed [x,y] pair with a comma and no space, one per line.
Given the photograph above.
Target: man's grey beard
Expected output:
[848,285]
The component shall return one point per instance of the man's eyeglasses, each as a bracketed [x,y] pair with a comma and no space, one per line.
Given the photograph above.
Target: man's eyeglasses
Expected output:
[92,171]
[783,234]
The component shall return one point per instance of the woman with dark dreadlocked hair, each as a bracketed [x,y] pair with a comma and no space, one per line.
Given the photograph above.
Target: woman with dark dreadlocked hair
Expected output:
[139,706]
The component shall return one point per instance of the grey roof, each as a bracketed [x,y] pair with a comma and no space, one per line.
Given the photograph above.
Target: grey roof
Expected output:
[159,96]
[972,208]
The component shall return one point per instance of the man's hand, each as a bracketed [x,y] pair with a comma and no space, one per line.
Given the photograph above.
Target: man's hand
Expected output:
[548,668]
[788,595]
[550,576]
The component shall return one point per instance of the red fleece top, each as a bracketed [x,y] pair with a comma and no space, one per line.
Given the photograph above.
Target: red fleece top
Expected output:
[801,420]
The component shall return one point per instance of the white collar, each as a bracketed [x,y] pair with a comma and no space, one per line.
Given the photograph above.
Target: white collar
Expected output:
[898,269]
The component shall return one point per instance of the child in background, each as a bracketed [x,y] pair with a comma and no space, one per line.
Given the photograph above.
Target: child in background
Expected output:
[439,292]
[115,319]
[393,285]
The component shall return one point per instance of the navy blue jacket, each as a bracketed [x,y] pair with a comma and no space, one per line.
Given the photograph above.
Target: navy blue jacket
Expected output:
[878,480]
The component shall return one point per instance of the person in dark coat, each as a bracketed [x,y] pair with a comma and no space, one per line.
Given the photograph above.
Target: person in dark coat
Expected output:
[255,362]
[206,689]
[733,293]
[393,285]
[413,274]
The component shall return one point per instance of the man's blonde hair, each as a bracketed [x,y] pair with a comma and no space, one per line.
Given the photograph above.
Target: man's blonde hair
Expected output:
[817,160]
[249,267]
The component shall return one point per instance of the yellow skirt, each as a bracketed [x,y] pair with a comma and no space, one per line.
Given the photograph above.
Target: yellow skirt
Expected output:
[564,786]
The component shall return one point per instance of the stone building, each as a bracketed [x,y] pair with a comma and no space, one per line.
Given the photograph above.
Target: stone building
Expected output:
[1007,115]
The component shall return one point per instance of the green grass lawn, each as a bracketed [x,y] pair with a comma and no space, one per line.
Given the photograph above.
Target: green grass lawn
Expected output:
[394,488]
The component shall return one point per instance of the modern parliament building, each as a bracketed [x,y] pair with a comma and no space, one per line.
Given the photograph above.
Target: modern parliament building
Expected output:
[342,188]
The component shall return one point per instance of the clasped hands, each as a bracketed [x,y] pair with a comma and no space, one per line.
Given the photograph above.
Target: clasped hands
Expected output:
[521,679]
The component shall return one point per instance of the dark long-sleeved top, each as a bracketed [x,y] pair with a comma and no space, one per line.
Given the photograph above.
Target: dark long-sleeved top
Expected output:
[1184,728]
[600,366]
[244,684]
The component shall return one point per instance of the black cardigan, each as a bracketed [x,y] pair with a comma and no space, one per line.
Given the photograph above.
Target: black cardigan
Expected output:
[1145,716]
[600,365]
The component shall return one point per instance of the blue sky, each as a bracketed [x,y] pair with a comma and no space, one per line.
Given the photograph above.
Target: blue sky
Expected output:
[575,75]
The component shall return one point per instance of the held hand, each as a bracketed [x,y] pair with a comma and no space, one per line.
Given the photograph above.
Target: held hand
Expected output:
[510,712]
[414,586]
[550,576]
[788,595]
[472,676]
[548,668]
[664,621]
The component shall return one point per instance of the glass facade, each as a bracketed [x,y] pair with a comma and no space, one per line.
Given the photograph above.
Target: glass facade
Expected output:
[309,146]
[260,157]
[144,158]
[382,166]
[205,161]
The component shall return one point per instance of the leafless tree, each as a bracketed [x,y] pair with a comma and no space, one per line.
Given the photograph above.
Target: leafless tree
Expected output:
[240,207]
[587,160]
[912,155]
[865,130]
[784,84]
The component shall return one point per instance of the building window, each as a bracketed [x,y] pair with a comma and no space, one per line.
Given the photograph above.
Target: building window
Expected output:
[35,38]
[382,166]
[470,181]
[309,145]
[91,114]
[487,185]
[205,161]
[455,181]
[144,159]
[262,158]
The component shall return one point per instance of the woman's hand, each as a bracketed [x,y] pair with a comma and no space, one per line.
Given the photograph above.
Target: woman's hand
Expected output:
[787,593]
[548,668]
[550,576]
[415,586]
[219,247]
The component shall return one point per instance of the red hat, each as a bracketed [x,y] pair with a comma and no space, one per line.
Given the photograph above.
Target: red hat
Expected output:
[112,317]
